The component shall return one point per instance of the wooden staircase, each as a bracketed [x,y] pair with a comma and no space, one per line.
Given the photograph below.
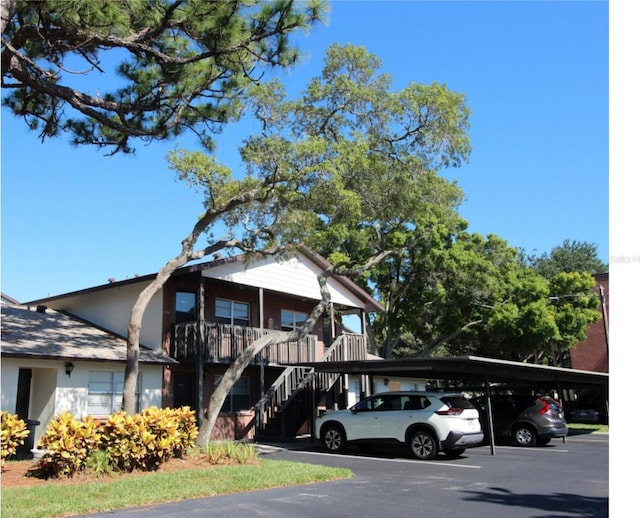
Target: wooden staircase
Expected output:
[293,397]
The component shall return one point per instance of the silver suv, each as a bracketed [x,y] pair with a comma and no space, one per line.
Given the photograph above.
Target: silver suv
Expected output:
[426,422]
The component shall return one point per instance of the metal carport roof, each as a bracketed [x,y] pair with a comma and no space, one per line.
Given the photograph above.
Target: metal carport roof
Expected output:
[469,368]
[472,368]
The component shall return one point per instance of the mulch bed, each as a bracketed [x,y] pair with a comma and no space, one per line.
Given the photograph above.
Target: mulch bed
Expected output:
[16,473]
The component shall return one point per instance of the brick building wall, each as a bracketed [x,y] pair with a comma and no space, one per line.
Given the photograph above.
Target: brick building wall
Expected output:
[592,354]
[233,425]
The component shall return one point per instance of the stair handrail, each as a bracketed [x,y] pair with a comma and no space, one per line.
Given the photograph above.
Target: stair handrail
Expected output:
[342,349]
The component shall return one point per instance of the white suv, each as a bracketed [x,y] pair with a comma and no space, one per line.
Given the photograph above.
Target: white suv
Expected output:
[427,422]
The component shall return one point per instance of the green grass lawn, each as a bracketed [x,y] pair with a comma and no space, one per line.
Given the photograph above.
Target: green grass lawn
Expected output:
[153,488]
[588,428]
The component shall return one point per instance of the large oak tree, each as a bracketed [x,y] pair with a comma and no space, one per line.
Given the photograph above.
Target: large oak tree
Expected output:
[467,294]
[349,164]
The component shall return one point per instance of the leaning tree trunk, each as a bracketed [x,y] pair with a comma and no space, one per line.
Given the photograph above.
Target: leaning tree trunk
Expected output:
[135,326]
[236,369]
[233,374]
[187,254]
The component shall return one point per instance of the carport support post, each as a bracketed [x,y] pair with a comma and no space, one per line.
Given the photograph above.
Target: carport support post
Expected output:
[492,442]
[564,437]
[314,407]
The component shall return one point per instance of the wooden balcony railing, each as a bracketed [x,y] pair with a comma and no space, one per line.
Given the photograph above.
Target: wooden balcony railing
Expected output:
[223,343]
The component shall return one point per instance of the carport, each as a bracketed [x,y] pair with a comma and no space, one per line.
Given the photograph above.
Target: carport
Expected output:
[483,372]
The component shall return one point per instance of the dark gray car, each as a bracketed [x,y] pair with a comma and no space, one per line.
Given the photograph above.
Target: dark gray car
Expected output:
[524,420]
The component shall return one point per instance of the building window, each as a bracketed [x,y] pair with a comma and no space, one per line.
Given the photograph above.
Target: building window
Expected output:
[105,392]
[185,306]
[292,320]
[238,398]
[232,312]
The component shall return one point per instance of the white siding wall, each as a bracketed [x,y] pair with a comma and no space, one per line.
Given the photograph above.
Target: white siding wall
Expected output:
[111,309]
[9,384]
[298,276]
[53,392]
[397,384]
[355,387]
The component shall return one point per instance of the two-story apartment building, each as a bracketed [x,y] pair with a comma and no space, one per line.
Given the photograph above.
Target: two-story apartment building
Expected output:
[208,313]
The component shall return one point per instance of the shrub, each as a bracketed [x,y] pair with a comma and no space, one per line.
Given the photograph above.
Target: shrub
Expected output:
[14,432]
[68,443]
[146,440]
[226,452]
[122,443]
[187,429]
[126,441]
[99,463]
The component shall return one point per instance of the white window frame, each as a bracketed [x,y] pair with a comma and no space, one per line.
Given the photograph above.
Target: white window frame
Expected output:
[240,389]
[106,387]
[298,318]
[246,322]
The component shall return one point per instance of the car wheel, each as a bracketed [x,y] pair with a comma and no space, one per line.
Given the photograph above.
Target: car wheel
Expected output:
[333,438]
[524,436]
[423,445]
[453,454]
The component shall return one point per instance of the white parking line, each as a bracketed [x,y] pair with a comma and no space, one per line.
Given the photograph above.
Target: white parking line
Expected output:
[520,448]
[423,462]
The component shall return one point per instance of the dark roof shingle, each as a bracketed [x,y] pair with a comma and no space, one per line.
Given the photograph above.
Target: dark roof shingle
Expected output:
[51,335]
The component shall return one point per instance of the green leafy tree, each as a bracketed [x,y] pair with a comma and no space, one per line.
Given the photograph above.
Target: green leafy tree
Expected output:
[349,164]
[462,294]
[408,284]
[574,306]
[177,65]
[477,295]
[181,65]
[386,150]
[570,256]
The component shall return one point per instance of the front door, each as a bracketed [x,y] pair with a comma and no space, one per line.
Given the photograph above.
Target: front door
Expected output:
[184,390]
[23,395]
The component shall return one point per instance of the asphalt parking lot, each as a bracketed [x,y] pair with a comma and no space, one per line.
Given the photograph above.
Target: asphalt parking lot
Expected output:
[562,479]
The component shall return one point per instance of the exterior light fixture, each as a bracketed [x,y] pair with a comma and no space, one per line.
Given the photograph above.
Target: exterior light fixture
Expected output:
[68,368]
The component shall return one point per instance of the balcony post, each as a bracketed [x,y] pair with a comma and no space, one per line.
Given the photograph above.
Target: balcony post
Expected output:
[261,332]
[200,358]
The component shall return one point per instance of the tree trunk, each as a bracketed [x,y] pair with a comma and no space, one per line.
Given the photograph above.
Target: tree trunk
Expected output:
[431,347]
[236,369]
[134,328]
[232,375]
[135,320]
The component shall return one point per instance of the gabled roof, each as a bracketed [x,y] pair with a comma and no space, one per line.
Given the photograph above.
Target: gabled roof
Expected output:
[222,265]
[48,334]
[6,299]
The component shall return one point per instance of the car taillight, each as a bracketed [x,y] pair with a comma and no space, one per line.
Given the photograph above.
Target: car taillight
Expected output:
[450,411]
[546,407]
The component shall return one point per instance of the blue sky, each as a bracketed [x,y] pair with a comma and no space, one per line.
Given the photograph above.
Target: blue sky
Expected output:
[536,79]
